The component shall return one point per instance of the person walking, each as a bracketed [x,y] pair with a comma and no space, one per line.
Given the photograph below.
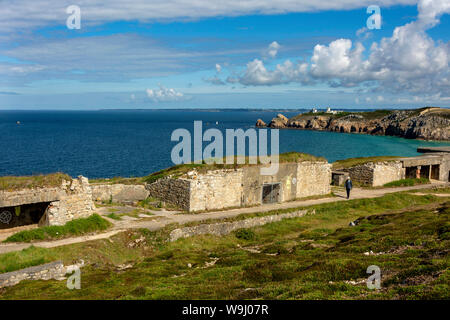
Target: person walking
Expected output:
[348,186]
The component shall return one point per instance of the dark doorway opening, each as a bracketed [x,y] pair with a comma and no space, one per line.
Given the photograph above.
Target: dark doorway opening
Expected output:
[435,172]
[411,172]
[271,193]
[425,172]
[26,214]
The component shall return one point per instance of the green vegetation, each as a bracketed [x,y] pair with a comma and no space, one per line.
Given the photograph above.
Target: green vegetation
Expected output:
[181,169]
[118,180]
[11,183]
[75,227]
[367,115]
[347,163]
[407,182]
[312,257]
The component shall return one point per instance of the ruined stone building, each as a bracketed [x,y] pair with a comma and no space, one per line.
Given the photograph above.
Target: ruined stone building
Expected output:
[243,186]
[46,206]
[434,164]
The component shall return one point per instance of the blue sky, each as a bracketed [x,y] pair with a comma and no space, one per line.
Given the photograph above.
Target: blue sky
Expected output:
[170,54]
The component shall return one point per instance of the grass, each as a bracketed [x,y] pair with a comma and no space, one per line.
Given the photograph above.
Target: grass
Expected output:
[11,183]
[312,257]
[75,227]
[351,162]
[181,169]
[406,182]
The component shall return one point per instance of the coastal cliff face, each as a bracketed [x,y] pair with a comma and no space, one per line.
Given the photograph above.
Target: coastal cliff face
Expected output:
[427,123]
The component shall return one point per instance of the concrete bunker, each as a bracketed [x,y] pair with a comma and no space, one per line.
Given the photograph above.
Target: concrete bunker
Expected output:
[46,206]
[203,189]
[22,215]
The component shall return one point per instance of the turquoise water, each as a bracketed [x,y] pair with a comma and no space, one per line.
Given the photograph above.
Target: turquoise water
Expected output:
[136,143]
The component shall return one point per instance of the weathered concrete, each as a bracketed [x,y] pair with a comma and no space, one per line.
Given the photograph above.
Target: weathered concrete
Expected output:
[120,193]
[223,228]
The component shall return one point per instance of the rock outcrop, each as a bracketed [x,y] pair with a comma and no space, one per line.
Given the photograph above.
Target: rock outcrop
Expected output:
[426,124]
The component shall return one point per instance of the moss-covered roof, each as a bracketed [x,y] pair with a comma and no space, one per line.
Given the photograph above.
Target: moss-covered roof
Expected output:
[181,169]
[11,183]
[351,162]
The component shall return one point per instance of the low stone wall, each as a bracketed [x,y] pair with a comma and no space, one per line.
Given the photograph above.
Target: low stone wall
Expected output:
[173,191]
[54,270]
[119,192]
[223,228]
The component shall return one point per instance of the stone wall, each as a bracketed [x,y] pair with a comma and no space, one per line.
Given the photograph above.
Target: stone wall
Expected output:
[362,174]
[216,190]
[121,193]
[72,200]
[376,174]
[173,191]
[54,270]
[223,228]
[313,178]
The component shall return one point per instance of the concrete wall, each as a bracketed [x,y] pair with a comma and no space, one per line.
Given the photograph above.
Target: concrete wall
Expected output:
[119,192]
[253,182]
[216,190]
[313,178]
[385,172]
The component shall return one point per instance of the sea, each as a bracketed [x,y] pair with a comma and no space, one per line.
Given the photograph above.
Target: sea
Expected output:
[132,143]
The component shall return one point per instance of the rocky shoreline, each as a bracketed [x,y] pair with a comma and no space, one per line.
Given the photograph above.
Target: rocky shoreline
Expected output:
[426,123]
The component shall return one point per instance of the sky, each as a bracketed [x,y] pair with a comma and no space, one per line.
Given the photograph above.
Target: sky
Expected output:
[224,54]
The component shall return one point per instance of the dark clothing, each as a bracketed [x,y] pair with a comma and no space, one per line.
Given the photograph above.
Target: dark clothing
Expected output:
[348,184]
[348,187]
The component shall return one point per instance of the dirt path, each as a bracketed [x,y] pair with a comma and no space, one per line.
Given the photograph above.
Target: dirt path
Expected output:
[163,218]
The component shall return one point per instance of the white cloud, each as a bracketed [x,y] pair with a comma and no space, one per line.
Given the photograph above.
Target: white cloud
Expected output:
[164,94]
[218,68]
[272,50]
[408,61]
[22,14]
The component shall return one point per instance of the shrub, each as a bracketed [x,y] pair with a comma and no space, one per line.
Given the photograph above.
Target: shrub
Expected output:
[245,234]
[406,182]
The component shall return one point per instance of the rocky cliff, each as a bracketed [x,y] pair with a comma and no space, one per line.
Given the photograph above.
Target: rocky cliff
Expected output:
[425,123]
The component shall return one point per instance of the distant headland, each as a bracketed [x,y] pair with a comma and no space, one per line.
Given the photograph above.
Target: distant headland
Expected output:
[429,123]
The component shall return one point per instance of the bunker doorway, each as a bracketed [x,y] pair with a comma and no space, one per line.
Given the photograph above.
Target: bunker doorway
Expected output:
[435,172]
[271,193]
[26,214]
